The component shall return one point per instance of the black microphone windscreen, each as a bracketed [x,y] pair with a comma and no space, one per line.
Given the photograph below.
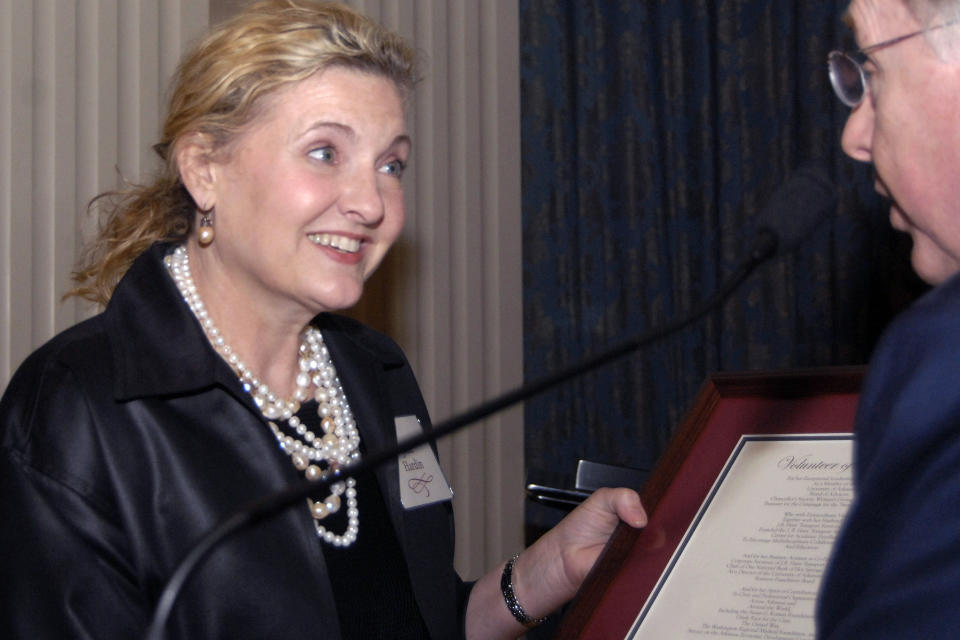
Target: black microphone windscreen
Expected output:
[798,206]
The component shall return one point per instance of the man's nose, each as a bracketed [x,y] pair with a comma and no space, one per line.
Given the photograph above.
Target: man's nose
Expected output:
[857,140]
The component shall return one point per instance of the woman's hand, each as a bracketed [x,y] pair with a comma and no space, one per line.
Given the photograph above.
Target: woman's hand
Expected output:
[549,572]
[559,561]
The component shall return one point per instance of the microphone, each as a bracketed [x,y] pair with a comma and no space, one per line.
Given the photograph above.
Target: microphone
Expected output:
[792,213]
[796,209]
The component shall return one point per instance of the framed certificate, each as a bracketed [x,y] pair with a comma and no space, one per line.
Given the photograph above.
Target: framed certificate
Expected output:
[744,505]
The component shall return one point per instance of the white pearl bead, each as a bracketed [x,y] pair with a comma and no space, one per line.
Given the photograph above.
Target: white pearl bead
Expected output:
[333,503]
[300,461]
[205,236]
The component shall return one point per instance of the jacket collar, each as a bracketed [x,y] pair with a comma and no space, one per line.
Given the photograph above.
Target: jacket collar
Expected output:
[159,348]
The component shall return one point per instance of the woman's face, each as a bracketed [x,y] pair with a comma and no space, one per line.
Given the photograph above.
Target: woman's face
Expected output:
[308,198]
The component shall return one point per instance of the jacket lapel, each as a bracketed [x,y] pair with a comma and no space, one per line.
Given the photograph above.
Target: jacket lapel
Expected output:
[380,386]
[361,373]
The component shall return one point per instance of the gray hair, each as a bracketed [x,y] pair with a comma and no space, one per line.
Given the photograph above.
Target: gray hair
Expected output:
[930,13]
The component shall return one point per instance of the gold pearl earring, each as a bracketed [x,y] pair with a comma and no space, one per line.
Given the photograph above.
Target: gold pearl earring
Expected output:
[206,235]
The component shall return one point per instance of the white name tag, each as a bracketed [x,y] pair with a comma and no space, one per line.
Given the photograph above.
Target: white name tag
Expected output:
[421,480]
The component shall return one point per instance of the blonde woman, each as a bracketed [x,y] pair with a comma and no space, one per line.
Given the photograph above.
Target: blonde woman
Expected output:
[217,374]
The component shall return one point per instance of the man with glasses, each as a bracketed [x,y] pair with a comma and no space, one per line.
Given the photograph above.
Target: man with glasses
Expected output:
[895,569]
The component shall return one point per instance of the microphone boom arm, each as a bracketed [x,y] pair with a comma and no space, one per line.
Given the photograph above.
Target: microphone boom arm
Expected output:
[764,247]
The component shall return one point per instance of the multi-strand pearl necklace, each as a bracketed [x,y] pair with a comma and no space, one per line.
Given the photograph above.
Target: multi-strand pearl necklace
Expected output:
[316,455]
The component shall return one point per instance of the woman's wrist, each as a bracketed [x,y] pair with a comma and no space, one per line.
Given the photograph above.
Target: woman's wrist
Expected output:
[510,598]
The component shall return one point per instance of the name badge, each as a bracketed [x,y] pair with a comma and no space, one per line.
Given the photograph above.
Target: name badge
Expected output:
[421,480]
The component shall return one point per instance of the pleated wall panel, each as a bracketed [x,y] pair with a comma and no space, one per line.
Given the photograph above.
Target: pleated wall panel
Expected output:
[81,86]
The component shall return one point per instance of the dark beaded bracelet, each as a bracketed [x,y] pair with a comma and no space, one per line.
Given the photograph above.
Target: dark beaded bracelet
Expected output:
[509,597]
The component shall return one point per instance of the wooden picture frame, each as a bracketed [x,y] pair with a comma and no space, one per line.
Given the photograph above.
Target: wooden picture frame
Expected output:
[728,406]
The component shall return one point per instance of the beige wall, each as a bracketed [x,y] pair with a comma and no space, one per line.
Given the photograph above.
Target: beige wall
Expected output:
[81,84]
[80,93]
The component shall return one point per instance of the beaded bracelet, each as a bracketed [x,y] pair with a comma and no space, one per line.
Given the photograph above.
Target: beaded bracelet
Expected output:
[510,598]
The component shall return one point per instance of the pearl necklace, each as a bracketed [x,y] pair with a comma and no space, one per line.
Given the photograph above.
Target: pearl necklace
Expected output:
[317,456]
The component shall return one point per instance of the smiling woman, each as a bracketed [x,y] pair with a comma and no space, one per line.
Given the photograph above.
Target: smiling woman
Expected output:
[217,374]
[308,198]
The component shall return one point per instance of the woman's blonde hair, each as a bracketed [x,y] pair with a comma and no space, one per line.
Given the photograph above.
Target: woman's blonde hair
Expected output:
[215,92]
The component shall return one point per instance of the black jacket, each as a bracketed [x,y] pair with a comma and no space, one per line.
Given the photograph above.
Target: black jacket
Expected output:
[126,438]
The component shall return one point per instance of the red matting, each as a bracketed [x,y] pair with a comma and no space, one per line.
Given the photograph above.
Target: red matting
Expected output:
[728,406]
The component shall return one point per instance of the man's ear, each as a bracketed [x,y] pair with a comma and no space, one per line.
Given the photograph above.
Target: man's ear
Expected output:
[194,155]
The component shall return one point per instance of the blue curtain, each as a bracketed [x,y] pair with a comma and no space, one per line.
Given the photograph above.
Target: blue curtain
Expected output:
[653,132]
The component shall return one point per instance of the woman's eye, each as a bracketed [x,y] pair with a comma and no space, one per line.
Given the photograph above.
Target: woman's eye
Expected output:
[324,154]
[394,168]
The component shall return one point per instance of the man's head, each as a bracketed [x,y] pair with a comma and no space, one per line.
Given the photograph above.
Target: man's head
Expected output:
[908,123]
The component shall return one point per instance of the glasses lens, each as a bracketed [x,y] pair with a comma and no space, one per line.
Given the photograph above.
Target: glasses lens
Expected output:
[846,78]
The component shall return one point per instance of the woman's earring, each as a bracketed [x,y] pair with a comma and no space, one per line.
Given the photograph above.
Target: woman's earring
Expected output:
[206,234]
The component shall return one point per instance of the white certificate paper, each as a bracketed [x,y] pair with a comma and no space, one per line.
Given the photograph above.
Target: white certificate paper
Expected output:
[751,562]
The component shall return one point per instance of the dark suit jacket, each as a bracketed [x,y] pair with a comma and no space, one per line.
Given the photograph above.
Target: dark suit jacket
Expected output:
[895,569]
[126,438]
